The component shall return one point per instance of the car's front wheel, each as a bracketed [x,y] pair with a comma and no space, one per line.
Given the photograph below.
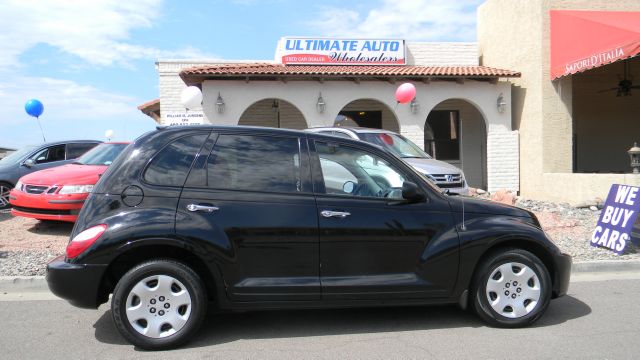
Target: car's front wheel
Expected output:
[512,288]
[159,304]
[5,189]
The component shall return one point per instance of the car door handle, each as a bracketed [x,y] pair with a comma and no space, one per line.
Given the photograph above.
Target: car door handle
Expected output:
[203,208]
[336,214]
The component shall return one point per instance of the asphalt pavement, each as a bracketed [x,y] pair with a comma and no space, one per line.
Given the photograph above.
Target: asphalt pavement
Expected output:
[598,319]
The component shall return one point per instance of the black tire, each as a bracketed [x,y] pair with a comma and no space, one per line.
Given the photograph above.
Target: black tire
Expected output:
[531,310]
[5,188]
[181,275]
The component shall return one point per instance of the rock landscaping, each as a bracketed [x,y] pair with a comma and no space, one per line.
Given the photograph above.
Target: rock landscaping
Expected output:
[26,245]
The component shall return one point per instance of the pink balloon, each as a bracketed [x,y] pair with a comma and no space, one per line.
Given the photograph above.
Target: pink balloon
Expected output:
[405,93]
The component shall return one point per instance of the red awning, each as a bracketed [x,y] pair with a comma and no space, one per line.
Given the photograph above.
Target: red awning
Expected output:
[582,40]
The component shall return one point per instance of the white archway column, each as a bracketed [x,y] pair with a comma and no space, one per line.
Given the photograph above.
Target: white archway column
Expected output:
[413,132]
[503,159]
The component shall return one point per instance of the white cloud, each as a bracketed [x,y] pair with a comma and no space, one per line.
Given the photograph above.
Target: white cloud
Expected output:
[71,110]
[97,31]
[64,99]
[414,20]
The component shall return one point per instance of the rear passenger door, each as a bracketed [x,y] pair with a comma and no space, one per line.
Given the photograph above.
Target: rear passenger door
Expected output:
[251,199]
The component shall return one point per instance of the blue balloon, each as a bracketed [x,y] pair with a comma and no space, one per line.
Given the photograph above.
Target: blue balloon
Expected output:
[34,107]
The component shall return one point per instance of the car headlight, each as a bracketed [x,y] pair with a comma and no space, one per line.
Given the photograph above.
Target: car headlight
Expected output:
[18,186]
[75,189]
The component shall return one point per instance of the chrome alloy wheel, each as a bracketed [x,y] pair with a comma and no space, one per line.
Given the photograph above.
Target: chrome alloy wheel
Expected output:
[4,196]
[158,306]
[513,290]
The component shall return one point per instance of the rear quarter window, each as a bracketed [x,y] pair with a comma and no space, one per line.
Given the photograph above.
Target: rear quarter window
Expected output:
[171,165]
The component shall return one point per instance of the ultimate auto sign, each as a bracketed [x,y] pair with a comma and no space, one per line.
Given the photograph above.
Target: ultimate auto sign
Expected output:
[324,51]
[615,225]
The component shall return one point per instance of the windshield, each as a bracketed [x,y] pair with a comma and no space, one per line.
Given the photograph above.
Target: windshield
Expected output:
[396,144]
[17,156]
[103,154]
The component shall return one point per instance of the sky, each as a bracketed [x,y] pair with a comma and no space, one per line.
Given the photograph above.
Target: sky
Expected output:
[92,62]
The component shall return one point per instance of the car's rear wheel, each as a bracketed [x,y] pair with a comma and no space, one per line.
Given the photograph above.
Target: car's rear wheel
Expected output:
[512,288]
[159,304]
[5,189]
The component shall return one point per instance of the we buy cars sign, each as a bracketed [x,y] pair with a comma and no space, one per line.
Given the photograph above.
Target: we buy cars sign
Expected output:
[620,211]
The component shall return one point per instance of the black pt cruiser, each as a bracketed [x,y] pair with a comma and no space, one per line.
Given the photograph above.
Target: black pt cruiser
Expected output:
[241,218]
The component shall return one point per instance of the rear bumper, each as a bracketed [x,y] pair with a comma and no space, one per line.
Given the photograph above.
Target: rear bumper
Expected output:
[562,264]
[77,283]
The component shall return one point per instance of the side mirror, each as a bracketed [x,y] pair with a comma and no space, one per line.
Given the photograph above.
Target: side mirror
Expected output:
[411,192]
[29,163]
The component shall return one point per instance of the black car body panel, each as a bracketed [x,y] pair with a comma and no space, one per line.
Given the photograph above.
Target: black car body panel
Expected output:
[274,250]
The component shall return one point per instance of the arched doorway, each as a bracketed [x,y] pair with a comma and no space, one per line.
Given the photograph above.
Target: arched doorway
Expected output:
[455,132]
[368,113]
[276,113]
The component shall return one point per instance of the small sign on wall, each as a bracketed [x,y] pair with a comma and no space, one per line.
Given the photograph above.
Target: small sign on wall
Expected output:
[620,211]
[183,118]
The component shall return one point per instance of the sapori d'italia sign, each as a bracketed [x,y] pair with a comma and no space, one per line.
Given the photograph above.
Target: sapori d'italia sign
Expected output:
[323,51]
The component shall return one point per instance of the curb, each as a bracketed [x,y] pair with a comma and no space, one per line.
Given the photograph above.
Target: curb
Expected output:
[598,266]
[12,284]
[23,284]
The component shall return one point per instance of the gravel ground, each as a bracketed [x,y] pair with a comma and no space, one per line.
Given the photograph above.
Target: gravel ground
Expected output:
[571,229]
[26,245]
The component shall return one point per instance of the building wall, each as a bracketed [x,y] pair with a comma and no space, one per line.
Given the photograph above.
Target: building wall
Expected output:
[442,53]
[515,35]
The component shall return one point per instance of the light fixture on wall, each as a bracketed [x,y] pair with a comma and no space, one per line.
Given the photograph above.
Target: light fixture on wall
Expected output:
[414,106]
[220,104]
[320,104]
[634,154]
[275,106]
[501,104]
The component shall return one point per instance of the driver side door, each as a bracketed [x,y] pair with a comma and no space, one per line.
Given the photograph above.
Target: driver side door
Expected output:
[372,244]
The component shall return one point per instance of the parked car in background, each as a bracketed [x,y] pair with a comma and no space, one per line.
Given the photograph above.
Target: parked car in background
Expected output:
[443,174]
[37,157]
[244,218]
[58,193]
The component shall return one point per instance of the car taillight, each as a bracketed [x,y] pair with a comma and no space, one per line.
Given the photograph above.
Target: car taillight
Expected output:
[82,241]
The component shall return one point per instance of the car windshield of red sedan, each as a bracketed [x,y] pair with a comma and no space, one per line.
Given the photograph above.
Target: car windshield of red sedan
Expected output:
[103,154]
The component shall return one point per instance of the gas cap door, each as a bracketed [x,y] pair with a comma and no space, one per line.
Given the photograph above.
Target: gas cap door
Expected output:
[132,195]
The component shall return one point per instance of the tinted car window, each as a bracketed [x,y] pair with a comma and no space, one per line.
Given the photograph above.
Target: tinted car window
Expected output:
[171,165]
[354,172]
[50,154]
[76,149]
[258,163]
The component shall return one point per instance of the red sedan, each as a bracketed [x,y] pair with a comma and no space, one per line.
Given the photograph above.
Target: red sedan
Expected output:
[59,193]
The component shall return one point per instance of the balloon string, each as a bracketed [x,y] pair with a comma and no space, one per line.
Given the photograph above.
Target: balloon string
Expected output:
[42,132]
[396,107]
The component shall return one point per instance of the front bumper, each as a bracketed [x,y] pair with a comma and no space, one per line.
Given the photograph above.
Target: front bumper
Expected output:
[77,283]
[47,206]
[562,265]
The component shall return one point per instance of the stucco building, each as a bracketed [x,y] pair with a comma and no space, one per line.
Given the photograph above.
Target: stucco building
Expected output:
[459,114]
[494,108]
[574,129]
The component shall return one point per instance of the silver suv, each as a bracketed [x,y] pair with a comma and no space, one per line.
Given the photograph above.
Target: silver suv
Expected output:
[443,174]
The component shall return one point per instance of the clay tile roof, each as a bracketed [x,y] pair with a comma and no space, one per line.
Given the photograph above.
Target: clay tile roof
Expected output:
[149,105]
[266,69]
